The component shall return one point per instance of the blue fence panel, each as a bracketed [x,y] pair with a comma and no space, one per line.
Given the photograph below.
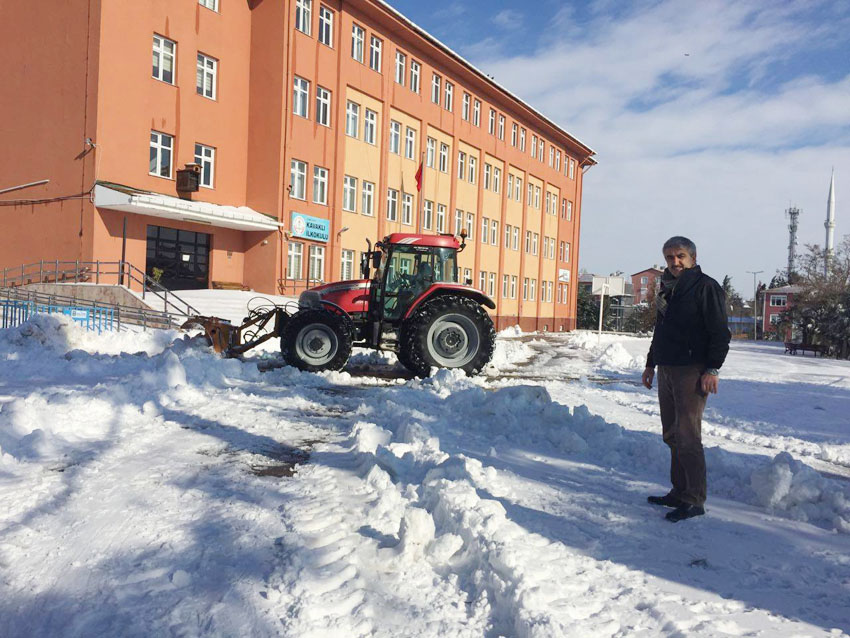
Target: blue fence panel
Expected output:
[93,318]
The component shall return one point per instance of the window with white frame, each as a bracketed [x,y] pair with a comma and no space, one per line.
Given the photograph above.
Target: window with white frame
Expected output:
[541,148]
[507,235]
[497,179]
[505,281]
[470,226]
[320,185]
[297,179]
[537,197]
[494,232]
[516,238]
[294,257]
[346,269]
[514,133]
[370,125]
[205,82]
[491,127]
[461,164]
[561,248]
[534,146]
[567,252]
[300,97]
[303,15]
[448,96]
[375,47]
[458,221]
[349,193]
[644,280]
[491,284]
[367,199]
[209,4]
[400,67]
[572,169]
[464,111]
[467,276]
[161,150]
[473,161]
[392,205]
[323,106]
[551,155]
[410,143]
[485,230]
[525,288]
[569,210]
[513,286]
[395,137]
[532,284]
[482,281]
[164,54]
[563,208]
[488,170]
[435,88]
[558,161]
[510,190]
[441,218]
[407,209]
[358,37]
[428,215]
[430,152]
[501,127]
[326,26]
[518,189]
[415,69]
[352,119]
[527,241]
[530,197]
[778,301]
[205,158]
[316,271]
[476,113]
[522,140]
[535,239]
[444,158]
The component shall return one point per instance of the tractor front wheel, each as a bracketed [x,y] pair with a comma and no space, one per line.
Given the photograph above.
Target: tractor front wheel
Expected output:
[448,331]
[314,340]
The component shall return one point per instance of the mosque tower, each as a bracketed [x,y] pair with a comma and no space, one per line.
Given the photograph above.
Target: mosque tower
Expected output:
[829,224]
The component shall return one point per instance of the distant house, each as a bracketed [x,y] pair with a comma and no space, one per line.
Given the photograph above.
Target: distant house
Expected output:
[645,284]
[777,301]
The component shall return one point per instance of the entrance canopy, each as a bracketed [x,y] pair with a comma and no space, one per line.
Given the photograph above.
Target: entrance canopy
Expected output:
[131,200]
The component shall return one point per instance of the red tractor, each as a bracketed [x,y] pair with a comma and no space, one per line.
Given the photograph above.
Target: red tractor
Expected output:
[413,306]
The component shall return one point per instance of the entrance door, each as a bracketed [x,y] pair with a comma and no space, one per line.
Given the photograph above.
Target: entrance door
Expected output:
[180,258]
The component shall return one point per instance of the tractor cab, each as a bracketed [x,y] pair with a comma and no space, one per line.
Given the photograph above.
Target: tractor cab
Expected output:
[409,265]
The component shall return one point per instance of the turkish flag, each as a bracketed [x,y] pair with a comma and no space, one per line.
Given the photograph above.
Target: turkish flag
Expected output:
[418,177]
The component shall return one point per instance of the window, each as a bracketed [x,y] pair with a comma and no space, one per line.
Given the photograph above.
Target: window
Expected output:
[205,158]
[448,97]
[470,226]
[367,199]
[522,140]
[491,284]
[534,146]
[775,319]
[162,146]
[518,189]
[298,179]
[164,52]
[458,221]
[441,218]
[572,169]
[778,301]
[430,152]
[551,155]
[303,15]
[395,137]
[535,239]
[505,281]
[485,230]
[569,210]
[513,286]
[476,113]
[472,165]
[507,235]
[352,119]
[563,208]
[392,205]
[501,127]
[317,263]
[400,67]
[541,148]
[323,106]
[358,36]
[464,112]
[435,88]
[370,120]
[444,158]
[300,97]
[487,172]
[467,276]
[491,127]
[561,249]
[510,191]
[530,198]
[461,164]
[346,270]
[410,143]
[407,209]
[375,54]
[494,232]
[537,197]
[326,28]
[349,193]
[414,76]
[294,255]
[567,252]
[558,161]
[516,238]
[209,4]
[525,288]
[531,292]
[497,179]
[206,76]
[428,215]
[644,280]
[482,281]
[514,129]
[528,241]
[320,185]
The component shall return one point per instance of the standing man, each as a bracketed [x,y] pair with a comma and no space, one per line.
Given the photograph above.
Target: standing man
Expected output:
[689,345]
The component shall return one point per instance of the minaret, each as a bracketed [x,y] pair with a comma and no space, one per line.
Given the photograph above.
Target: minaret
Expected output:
[829,224]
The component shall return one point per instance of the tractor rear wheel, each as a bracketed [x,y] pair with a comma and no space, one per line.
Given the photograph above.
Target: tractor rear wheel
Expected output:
[314,340]
[448,331]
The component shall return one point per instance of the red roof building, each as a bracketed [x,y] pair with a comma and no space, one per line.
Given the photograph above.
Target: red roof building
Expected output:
[645,284]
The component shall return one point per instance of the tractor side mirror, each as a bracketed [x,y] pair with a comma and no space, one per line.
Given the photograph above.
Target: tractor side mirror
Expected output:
[376,259]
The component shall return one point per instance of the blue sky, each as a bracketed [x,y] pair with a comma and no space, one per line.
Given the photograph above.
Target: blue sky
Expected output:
[715,144]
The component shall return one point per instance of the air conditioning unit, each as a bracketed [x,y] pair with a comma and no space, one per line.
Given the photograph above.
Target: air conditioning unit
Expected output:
[188,179]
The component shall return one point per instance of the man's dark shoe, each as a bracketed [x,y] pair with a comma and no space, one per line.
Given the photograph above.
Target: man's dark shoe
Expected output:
[668,500]
[685,510]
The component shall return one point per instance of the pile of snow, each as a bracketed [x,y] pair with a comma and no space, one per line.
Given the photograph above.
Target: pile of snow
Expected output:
[607,351]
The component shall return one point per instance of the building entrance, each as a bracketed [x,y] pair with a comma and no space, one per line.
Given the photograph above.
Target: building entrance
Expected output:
[181,258]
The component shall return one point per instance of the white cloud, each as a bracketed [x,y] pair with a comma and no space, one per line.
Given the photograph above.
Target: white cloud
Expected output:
[508,19]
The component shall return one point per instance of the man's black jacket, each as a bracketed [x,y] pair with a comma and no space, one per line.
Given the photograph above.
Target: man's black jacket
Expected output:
[694,327]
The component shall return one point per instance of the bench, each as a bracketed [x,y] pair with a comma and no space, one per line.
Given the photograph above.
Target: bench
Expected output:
[229,285]
[794,348]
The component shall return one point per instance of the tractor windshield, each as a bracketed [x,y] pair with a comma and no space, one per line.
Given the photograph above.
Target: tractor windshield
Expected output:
[407,271]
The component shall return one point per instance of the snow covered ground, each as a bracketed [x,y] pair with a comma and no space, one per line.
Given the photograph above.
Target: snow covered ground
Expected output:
[151,488]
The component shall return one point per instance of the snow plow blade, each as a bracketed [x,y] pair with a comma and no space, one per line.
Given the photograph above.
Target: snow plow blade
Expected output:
[232,341]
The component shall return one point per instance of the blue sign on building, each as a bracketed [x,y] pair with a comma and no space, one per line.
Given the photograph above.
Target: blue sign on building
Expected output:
[314,228]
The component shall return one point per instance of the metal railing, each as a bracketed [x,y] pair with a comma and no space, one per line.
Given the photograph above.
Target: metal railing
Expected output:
[292,286]
[97,272]
[15,312]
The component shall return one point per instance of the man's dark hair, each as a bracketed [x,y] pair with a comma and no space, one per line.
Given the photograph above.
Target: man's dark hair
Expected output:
[681,242]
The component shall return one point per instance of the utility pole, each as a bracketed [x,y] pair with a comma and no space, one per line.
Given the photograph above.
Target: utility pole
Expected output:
[755,303]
